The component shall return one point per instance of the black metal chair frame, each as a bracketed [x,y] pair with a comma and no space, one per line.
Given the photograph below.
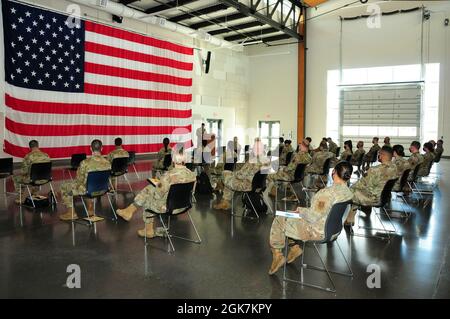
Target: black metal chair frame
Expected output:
[399,194]
[338,151]
[385,199]
[6,170]
[333,228]
[178,197]
[258,186]
[75,161]
[40,174]
[94,194]
[299,175]
[132,161]
[325,171]
[119,167]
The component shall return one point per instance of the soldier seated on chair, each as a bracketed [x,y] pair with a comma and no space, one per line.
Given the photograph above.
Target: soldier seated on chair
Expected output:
[310,225]
[358,154]
[428,159]
[286,173]
[78,186]
[318,160]
[34,156]
[241,180]
[367,191]
[332,146]
[369,155]
[165,150]
[154,197]
[287,148]
[118,152]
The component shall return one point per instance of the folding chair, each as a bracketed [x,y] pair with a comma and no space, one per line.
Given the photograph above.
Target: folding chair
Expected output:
[299,174]
[384,200]
[325,170]
[132,161]
[289,157]
[348,158]
[40,174]
[332,230]
[179,198]
[229,166]
[119,167]
[6,170]
[97,185]
[258,186]
[75,161]
[373,159]
[399,193]
[246,153]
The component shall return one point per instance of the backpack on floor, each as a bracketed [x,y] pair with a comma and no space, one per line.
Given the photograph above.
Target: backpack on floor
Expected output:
[256,200]
[203,184]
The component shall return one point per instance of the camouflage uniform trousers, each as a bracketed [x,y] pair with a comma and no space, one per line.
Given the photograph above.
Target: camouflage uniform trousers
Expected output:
[69,189]
[233,184]
[282,174]
[298,229]
[151,199]
[21,179]
[360,200]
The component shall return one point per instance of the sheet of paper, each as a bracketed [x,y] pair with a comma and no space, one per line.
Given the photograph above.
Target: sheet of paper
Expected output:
[287,214]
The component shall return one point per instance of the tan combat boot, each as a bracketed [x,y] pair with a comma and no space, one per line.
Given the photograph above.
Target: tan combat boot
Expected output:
[222,205]
[294,252]
[148,231]
[90,207]
[277,262]
[69,215]
[127,213]
[273,192]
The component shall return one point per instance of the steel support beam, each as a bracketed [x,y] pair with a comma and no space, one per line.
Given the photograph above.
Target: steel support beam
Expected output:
[237,27]
[217,20]
[200,12]
[262,18]
[127,2]
[169,5]
[254,34]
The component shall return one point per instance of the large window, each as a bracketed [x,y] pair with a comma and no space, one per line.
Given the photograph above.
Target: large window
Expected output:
[390,77]
[269,132]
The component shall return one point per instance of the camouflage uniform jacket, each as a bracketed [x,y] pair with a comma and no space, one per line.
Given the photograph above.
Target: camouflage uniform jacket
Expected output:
[33,157]
[91,164]
[345,154]
[374,149]
[402,165]
[177,175]
[414,160]
[321,205]
[118,152]
[284,153]
[332,147]
[438,151]
[357,155]
[318,160]
[373,183]
[428,159]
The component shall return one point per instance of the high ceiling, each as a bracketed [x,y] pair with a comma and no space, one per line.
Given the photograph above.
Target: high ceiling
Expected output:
[243,21]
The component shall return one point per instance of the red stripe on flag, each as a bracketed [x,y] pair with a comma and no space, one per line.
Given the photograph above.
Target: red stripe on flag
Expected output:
[134,74]
[66,152]
[138,38]
[136,56]
[135,93]
[92,109]
[76,130]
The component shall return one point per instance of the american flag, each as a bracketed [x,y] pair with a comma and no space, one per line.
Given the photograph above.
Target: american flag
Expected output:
[69,81]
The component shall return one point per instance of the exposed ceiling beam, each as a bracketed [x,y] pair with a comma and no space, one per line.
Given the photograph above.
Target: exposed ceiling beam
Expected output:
[231,17]
[261,17]
[236,27]
[200,12]
[127,2]
[276,38]
[254,34]
[169,5]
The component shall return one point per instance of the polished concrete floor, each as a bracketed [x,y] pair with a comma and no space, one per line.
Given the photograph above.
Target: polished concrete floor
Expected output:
[232,261]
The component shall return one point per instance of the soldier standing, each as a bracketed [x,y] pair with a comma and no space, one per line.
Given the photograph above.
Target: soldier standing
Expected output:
[78,186]
[312,222]
[154,197]
[34,156]
[367,191]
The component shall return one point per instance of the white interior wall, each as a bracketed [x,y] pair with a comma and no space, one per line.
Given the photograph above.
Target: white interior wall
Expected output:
[273,87]
[221,94]
[397,42]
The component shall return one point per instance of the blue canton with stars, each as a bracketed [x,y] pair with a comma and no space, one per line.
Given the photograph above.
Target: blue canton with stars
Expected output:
[43,50]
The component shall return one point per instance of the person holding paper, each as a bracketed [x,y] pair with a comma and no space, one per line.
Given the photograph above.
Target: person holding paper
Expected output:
[311,222]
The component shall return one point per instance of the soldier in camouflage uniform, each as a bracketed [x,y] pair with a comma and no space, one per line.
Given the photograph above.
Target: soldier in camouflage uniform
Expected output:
[165,150]
[34,156]
[415,159]
[387,141]
[332,146]
[317,162]
[373,150]
[241,180]
[439,149]
[312,222]
[216,172]
[118,152]
[286,173]
[348,152]
[401,163]
[78,186]
[428,160]
[367,190]
[154,198]
[358,153]
[286,149]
